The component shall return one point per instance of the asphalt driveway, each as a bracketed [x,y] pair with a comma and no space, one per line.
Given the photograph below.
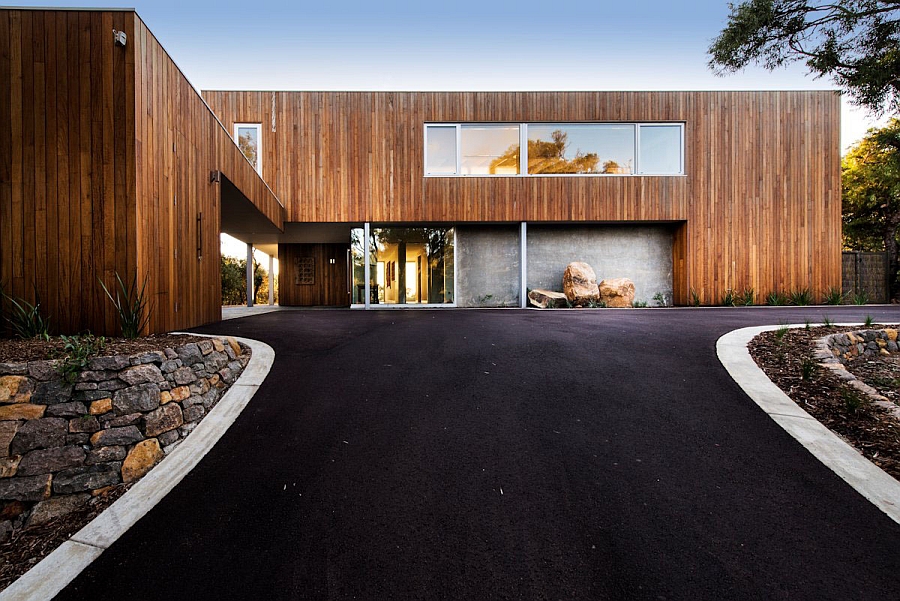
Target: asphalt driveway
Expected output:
[505,454]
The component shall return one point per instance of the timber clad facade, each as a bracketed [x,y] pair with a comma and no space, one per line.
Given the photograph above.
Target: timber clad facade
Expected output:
[105,160]
[110,162]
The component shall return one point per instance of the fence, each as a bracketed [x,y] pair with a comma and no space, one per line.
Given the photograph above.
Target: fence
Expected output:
[866,272]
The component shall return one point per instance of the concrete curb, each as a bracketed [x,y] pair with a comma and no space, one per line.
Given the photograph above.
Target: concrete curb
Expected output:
[53,573]
[865,477]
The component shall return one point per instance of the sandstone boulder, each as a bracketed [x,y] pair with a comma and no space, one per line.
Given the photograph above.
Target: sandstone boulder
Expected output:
[142,457]
[617,292]
[55,507]
[547,299]
[580,283]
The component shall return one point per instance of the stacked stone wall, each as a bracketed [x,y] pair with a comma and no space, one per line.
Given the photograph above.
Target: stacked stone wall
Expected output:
[64,441]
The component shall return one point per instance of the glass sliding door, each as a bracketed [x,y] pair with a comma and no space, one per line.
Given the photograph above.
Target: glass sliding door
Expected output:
[407,266]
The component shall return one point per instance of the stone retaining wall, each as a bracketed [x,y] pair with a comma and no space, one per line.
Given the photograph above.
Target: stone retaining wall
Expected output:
[835,350]
[63,442]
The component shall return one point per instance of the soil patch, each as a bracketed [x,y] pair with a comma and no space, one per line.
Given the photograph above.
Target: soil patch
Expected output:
[787,359]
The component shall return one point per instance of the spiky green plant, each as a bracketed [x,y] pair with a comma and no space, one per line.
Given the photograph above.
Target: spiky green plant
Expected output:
[661,299]
[827,322]
[639,304]
[131,305]
[833,296]
[748,296]
[776,299]
[807,368]
[25,319]
[861,298]
[728,298]
[868,322]
[695,298]
[801,298]
[780,333]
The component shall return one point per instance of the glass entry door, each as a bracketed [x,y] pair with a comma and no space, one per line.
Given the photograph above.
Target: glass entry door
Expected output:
[407,266]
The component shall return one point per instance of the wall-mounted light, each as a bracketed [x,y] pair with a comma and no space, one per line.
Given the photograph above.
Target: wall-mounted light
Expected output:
[215,177]
[119,38]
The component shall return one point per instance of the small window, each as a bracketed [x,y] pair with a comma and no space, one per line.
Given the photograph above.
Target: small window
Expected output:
[660,150]
[248,137]
[572,148]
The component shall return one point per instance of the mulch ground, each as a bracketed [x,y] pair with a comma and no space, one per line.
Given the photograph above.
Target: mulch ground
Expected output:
[16,350]
[787,359]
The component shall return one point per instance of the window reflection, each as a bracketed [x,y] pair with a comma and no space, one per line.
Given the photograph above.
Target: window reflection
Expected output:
[489,149]
[660,149]
[577,148]
[407,265]
[441,153]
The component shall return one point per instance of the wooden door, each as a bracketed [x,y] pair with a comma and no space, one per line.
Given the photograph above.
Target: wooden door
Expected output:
[313,275]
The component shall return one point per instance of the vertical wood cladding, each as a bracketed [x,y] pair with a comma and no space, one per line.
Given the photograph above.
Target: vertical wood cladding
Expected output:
[96,142]
[760,201]
[66,203]
[308,277]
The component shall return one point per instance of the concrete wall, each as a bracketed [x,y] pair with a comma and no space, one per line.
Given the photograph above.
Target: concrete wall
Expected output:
[642,253]
[487,266]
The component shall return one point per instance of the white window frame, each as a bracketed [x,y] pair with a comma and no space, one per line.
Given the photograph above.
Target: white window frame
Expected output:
[637,148]
[259,154]
[523,149]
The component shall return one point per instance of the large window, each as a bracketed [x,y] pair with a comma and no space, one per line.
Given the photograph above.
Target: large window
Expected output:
[554,149]
[248,136]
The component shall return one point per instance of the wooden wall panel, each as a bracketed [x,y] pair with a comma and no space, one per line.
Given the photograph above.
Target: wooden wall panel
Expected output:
[64,147]
[760,200]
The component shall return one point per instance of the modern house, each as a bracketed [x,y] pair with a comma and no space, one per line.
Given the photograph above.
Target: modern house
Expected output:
[111,162]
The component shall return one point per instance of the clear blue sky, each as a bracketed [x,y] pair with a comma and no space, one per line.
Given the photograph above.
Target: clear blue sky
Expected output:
[456,45]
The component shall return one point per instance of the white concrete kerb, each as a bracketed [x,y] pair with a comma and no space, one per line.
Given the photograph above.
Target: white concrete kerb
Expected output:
[865,477]
[57,570]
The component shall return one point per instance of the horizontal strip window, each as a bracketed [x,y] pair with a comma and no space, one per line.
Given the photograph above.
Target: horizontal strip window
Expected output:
[482,149]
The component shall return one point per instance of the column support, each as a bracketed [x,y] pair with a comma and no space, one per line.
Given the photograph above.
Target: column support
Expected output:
[250,291]
[523,265]
[367,266]
[271,280]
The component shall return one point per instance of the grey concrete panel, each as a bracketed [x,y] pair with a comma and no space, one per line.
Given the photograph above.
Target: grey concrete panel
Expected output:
[487,266]
[641,253]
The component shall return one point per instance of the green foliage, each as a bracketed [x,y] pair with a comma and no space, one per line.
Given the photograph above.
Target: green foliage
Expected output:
[639,304]
[592,304]
[26,319]
[77,352]
[776,299]
[854,42]
[131,305]
[747,297]
[807,324]
[827,322]
[868,322]
[695,298]
[234,282]
[661,299]
[801,298]
[861,298]
[833,296]
[780,333]
[602,304]
[870,191]
[853,401]
[808,368]
[728,298]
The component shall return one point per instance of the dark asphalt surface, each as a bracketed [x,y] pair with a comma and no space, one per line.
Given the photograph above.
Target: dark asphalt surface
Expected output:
[505,455]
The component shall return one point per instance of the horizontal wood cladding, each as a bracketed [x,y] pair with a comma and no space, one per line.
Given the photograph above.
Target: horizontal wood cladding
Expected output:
[307,277]
[67,204]
[96,143]
[760,200]
[179,143]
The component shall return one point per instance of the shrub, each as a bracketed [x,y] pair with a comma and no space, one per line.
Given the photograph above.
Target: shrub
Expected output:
[833,296]
[25,319]
[861,298]
[695,298]
[776,299]
[77,351]
[728,298]
[661,299]
[801,298]
[748,296]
